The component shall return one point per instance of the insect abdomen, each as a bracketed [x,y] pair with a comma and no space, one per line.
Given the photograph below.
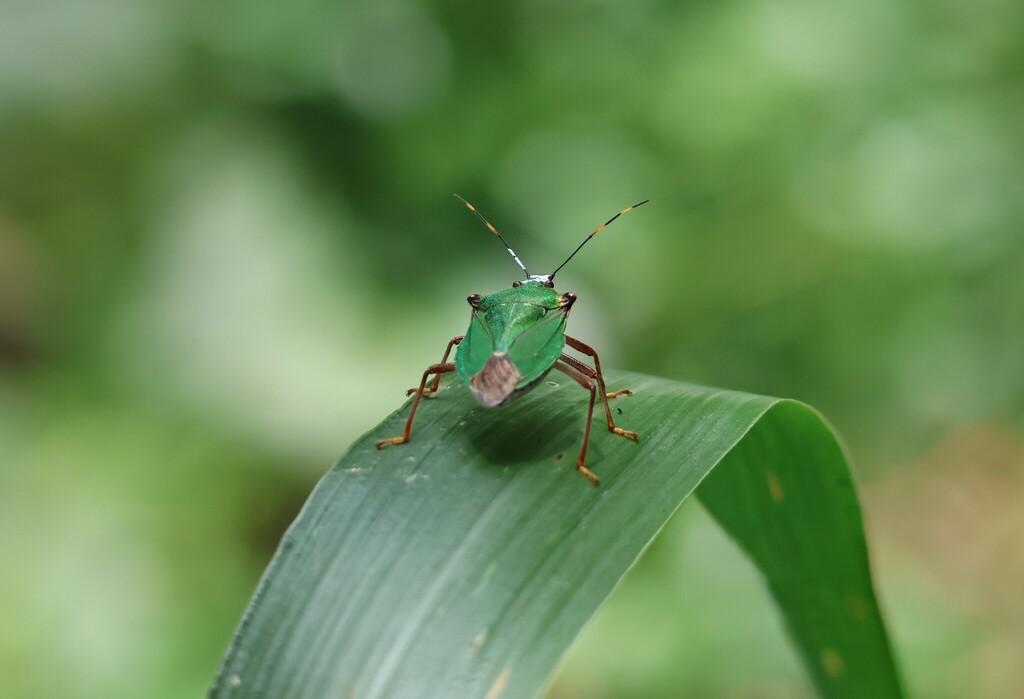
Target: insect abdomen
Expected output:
[496,381]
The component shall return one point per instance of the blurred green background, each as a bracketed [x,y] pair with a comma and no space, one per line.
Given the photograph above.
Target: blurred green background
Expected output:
[228,244]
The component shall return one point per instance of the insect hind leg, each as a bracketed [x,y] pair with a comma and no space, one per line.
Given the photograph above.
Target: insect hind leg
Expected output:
[588,384]
[594,373]
[586,349]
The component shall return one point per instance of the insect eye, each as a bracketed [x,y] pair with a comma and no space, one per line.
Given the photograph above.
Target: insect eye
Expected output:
[474,300]
[568,298]
[516,285]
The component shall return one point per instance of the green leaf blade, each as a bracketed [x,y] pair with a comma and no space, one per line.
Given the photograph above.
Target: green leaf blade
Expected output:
[465,562]
[784,495]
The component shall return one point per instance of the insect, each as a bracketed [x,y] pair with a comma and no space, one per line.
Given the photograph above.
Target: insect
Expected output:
[515,337]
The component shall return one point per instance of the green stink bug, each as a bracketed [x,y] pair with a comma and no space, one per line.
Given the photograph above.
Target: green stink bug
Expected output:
[515,337]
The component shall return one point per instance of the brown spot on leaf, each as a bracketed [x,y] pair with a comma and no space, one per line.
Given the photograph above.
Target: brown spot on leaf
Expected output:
[775,488]
[832,662]
[500,682]
[856,606]
[478,640]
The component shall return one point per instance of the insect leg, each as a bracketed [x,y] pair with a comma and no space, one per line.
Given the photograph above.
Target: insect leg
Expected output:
[437,379]
[592,374]
[582,380]
[596,374]
[437,369]
[591,352]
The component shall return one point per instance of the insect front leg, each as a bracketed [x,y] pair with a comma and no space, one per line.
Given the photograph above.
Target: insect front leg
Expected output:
[586,383]
[436,369]
[595,373]
[437,379]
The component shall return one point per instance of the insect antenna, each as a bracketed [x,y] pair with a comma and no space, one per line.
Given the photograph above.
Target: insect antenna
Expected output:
[494,230]
[599,229]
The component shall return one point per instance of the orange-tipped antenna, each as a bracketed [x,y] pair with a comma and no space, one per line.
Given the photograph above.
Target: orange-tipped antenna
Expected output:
[494,230]
[587,239]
